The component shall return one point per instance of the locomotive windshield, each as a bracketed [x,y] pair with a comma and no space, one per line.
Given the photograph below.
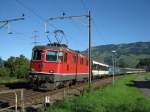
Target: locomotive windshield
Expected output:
[51,55]
[37,54]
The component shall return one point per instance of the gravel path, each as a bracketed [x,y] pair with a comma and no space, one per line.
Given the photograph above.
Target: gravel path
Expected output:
[143,85]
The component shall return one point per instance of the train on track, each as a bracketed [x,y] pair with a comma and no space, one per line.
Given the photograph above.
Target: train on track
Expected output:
[56,65]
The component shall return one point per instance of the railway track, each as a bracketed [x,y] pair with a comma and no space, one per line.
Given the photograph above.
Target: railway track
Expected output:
[31,97]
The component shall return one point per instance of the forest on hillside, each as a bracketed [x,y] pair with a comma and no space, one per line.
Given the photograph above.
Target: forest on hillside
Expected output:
[127,55]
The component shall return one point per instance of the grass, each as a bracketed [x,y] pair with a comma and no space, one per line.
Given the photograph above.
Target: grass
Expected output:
[122,97]
[4,80]
[147,76]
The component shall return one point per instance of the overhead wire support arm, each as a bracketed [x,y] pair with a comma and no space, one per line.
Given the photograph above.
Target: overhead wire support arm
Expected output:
[11,20]
[67,17]
[4,24]
[8,21]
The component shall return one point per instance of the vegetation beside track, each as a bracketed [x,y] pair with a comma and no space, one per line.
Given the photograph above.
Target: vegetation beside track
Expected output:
[147,76]
[122,97]
[14,69]
[4,80]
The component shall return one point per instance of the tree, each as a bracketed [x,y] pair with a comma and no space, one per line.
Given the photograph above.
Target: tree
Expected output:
[22,66]
[4,72]
[1,63]
[108,60]
[122,63]
[144,63]
[18,66]
[10,64]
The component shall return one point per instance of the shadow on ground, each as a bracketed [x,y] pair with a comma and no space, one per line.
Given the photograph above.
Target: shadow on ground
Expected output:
[140,84]
[23,85]
[3,104]
[18,85]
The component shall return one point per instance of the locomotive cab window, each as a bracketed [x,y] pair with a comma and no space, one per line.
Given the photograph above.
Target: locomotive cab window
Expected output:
[51,55]
[37,54]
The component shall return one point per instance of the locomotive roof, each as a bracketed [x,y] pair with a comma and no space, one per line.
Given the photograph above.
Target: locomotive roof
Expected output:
[51,47]
[56,48]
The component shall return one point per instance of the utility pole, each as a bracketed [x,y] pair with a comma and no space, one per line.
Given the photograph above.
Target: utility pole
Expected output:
[89,50]
[89,37]
[113,60]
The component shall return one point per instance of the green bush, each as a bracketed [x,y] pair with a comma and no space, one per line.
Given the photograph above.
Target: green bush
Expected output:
[4,72]
[18,66]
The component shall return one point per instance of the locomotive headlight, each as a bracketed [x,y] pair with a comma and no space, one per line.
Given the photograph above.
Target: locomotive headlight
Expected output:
[51,71]
[32,69]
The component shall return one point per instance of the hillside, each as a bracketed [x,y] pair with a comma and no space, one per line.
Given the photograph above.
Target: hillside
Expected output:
[128,55]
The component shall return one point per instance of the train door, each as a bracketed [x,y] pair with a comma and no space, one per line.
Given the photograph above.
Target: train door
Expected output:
[74,64]
[65,63]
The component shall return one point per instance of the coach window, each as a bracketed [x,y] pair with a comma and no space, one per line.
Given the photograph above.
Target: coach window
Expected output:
[81,60]
[94,67]
[101,67]
[98,67]
[104,68]
[65,58]
[74,59]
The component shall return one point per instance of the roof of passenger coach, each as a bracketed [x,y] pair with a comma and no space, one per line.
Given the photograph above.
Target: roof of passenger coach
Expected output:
[102,64]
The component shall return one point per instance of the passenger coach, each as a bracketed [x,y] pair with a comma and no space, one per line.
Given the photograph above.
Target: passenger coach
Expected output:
[99,69]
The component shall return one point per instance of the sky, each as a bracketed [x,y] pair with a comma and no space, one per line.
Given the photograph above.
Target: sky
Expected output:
[113,22]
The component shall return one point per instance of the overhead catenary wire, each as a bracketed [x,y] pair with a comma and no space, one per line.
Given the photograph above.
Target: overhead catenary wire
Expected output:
[37,15]
[41,19]
[29,9]
[3,25]
[84,6]
[68,35]
[47,33]
[33,12]
[71,18]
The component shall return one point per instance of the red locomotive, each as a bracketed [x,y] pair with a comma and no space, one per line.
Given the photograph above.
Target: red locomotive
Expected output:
[55,65]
